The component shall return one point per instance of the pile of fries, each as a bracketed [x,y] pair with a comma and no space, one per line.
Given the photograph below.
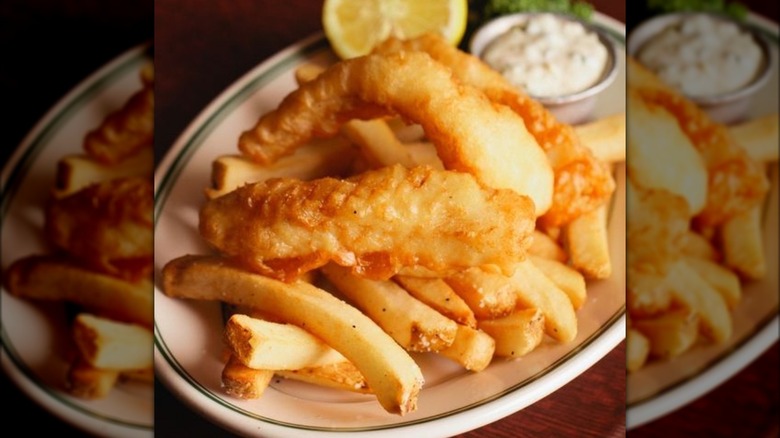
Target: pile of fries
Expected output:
[98,223]
[691,248]
[333,327]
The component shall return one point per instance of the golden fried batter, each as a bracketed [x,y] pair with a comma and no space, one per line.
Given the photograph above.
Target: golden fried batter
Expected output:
[736,183]
[107,225]
[127,130]
[376,223]
[582,182]
[471,134]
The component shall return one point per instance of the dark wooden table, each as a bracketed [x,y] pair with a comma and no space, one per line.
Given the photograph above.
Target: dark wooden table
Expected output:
[202,47]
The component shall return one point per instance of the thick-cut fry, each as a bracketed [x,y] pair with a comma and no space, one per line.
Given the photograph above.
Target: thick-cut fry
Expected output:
[637,349]
[74,172]
[488,294]
[671,333]
[535,290]
[696,245]
[759,137]
[472,348]
[145,375]
[244,382]
[719,277]
[695,294]
[436,293]
[53,278]
[545,246]
[565,277]
[742,242]
[378,143]
[88,382]
[587,243]
[606,137]
[413,324]
[339,375]
[108,344]
[390,372]
[317,159]
[516,334]
[261,345]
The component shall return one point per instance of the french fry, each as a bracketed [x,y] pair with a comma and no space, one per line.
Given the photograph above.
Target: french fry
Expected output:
[145,375]
[671,333]
[340,375]
[390,372]
[696,245]
[719,277]
[472,348]
[53,278]
[424,152]
[239,380]
[319,158]
[413,324]
[74,172]
[535,290]
[516,334]
[637,349]
[108,344]
[586,241]
[545,246]
[436,293]
[88,382]
[758,137]
[696,295]
[267,345]
[488,294]
[742,242]
[377,142]
[606,137]
[565,277]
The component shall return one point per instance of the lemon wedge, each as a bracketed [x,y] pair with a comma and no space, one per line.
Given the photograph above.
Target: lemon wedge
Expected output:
[355,27]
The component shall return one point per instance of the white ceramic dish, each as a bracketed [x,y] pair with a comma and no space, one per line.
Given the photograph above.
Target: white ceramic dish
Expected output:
[663,387]
[188,334]
[32,332]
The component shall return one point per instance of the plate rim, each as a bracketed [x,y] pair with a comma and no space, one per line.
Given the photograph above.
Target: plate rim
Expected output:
[724,366]
[23,156]
[180,383]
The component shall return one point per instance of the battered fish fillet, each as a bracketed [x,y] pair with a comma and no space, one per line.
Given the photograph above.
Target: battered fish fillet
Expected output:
[471,134]
[659,221]
[375,223]
[127,130]
[582,182]
[736,182]
[107,225]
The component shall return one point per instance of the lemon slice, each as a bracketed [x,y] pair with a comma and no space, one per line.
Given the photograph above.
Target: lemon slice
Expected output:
[355,27]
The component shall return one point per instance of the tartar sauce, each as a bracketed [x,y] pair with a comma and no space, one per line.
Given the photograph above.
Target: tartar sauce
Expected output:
[703,56]
[548,56]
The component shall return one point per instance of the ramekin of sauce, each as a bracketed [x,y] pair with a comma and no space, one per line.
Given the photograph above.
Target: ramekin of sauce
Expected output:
[558,60]
[713,60]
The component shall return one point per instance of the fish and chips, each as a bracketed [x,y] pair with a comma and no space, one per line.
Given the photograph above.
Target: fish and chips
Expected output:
[452,225]
[697,189]
[98,226]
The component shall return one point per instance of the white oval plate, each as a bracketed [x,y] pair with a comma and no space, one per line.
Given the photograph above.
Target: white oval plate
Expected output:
[188,334]
[663,387]
[34,332]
